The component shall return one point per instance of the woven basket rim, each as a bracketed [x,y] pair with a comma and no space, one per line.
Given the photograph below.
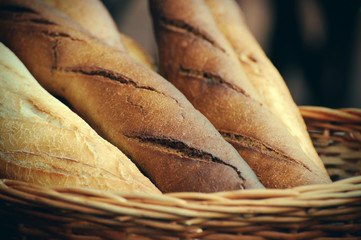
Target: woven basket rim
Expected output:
[271,213]
[342,115]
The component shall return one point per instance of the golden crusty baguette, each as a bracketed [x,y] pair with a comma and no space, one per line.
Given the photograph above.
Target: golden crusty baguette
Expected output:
[94,17]
[128,104]
[265,78]
[197,58]
[43,142]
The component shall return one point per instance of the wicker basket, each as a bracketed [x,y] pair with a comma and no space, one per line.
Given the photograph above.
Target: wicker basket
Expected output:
[330,211]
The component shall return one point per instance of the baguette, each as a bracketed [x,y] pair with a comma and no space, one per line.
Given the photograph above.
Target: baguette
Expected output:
[95,18]
[195,56]
[43,142]
[262,74]
[128,104]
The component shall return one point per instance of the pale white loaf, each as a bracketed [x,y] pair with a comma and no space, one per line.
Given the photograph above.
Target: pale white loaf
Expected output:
[43,142]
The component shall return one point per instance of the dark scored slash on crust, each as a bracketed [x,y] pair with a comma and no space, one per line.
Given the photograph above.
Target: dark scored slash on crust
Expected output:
[114,76]
[96,71]
[41,21]
[259,146]
[210,77]
[183,149]
[21,13]
[17,9]
[181,26]
[56,38]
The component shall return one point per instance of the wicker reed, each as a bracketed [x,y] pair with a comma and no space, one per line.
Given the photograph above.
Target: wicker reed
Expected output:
[330,211]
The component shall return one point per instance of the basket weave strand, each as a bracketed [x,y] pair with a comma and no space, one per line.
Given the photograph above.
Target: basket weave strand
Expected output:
[331,211]
[336,135]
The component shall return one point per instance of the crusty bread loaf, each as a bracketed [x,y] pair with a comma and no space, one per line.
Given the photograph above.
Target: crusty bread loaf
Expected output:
[95,18]
[44,142]
[131,106]
[197,58]
[263,75]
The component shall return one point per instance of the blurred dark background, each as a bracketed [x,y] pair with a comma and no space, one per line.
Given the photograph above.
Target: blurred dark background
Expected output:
[315,44]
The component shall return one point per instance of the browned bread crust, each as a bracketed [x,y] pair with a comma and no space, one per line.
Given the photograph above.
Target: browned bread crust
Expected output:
[95,18]
[263,75]
[44,142]
[196,57]
[131,106]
